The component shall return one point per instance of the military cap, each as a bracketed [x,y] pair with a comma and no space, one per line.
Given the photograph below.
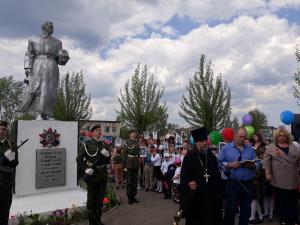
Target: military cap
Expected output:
[3,123]
[200,134]
[132,130]
[94,127]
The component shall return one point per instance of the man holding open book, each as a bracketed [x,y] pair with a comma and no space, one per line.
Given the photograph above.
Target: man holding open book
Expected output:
[239,160]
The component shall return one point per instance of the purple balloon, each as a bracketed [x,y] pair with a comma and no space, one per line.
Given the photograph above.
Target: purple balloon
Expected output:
[247,119]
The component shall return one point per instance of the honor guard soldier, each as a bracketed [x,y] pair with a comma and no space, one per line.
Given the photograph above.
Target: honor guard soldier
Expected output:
[8,162]
[131,156]
[92,162]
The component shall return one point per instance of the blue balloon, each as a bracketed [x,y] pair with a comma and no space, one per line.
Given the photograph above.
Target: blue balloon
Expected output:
[287,117]
[191,140]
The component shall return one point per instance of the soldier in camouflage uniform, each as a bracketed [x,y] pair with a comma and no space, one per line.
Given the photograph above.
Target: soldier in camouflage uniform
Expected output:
[8,161]
[89,152]
[131,155]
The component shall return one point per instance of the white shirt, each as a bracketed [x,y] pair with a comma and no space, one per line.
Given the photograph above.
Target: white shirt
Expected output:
[177,172]
[164,166]
[156,160]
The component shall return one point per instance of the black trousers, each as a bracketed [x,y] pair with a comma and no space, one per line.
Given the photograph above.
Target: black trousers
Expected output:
[287,205]
[95,195]
[5,203]
[167,186]
[238,194]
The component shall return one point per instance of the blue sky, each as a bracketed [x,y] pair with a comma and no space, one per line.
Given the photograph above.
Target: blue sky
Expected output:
[251,43]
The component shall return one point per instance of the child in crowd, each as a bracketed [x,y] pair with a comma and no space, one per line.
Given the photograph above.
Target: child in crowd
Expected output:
[176,180]
[165,169]
[117,161]
[156,160]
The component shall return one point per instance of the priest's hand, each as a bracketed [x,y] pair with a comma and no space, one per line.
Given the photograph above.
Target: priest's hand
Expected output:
[193,185]
[233,165]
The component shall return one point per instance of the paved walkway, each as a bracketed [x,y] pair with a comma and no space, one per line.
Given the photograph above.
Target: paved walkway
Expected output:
[152,210]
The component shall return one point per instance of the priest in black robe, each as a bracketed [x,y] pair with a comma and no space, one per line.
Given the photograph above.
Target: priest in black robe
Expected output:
[201,184]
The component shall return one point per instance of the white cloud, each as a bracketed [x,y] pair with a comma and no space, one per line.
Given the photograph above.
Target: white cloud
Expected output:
[255,56]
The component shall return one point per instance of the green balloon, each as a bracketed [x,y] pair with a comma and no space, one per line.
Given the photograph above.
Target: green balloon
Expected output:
[215,137]
[250,131]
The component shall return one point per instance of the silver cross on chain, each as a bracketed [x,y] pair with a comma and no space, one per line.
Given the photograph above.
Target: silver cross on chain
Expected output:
[206,175]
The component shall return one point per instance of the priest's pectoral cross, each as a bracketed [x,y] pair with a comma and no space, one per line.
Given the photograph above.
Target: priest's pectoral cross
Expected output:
[206,175]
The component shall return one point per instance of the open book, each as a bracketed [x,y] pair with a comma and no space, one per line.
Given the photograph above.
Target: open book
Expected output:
[245,162]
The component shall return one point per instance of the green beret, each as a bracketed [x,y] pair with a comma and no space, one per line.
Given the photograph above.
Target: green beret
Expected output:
[3,123]
[96,126]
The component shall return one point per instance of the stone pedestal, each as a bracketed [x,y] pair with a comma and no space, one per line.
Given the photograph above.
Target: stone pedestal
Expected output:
[47,166]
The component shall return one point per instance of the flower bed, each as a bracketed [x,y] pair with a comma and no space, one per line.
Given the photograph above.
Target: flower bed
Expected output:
[68,216]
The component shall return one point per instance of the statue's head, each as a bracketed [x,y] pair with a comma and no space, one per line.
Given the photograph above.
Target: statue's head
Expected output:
[48,27]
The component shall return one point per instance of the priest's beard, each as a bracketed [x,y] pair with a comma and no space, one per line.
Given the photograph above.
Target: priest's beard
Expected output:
[201,150]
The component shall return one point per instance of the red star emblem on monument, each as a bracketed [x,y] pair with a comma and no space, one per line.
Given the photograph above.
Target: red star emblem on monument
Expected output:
[49,138]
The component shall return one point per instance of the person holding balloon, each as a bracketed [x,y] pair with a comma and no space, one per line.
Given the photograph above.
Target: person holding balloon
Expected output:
[238,158]
[281,163]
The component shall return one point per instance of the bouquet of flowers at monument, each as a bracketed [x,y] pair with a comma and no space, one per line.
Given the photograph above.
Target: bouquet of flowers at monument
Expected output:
[110,199]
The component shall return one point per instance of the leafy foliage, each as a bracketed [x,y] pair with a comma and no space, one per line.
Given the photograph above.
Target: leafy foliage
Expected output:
[72,103]
[208,99]
[259,119]
[140,102]
[235,124]
[296,85]
[10,98]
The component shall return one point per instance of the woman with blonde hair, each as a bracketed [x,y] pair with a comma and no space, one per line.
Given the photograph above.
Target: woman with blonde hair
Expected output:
[281,163]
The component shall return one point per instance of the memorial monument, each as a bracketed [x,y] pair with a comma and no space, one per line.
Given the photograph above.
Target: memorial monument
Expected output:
[44,54]
[47,169]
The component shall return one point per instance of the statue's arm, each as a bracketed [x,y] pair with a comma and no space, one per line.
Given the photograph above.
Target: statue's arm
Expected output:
[29,57]
[63,56]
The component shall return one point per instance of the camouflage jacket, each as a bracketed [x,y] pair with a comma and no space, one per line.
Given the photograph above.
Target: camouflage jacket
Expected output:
[89,152]
[7,179]
[131,154]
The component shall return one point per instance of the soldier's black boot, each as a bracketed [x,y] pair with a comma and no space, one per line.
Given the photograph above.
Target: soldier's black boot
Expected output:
[130,201]
[134,200]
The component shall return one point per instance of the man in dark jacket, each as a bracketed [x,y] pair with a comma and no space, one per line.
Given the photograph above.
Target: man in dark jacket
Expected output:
[9,161]
[200,191]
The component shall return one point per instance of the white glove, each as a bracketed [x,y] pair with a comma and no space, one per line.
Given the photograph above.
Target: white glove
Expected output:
[125,169]
[10,155]
[105,153]
[89,171]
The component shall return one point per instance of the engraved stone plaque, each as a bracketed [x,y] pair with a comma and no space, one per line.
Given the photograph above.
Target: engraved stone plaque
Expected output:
[50,167]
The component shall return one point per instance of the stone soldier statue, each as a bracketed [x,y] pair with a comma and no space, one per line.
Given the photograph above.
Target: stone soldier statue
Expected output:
[92,161]
[131,156]
[8,162]
[43,55]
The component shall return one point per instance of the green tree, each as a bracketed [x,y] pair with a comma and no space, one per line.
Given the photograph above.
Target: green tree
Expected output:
[10,98]
[72,103]
[161,125]
[235,123]
[296,85]
[140,102]
[259,119]
[208,99]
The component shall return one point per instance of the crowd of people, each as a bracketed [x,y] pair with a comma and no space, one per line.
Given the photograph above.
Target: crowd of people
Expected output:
[249,178]
[257,177]
[159,166]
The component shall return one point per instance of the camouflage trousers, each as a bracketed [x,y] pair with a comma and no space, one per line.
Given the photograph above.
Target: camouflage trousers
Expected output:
[95,195]
[132,182]
[5,203]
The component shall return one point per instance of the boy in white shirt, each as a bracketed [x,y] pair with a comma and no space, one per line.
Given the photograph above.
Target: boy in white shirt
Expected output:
[164,169]
[176,180]
[156,160]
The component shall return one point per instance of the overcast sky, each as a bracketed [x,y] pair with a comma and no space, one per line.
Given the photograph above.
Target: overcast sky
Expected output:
[252,43]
